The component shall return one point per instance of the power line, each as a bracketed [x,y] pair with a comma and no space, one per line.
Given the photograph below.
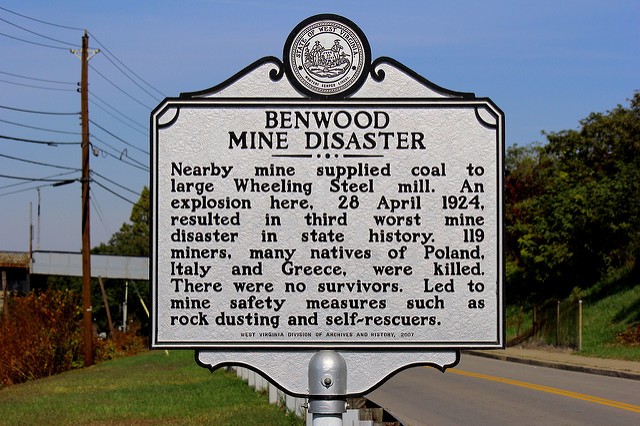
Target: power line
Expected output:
[111,191]
[31,179]
[50,143]
[39,112]
[37,87]
[128,69]
[38,34]
[37,79]
[115,183]
[103,142]
[131,79]
[34,42]
[124,154]
[40,128]
[119,119]
[120,139]
[119,88]
[40,21]
[94,96]
[46,177]
[17,191]
[94,203]
[38,163]
[119,157]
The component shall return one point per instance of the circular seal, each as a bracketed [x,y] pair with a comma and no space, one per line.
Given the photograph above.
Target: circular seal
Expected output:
[327,56]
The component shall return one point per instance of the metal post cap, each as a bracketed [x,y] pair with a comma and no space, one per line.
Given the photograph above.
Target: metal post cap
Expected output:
[327,381]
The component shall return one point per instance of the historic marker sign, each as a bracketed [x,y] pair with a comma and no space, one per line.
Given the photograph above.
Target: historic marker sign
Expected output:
[327,202]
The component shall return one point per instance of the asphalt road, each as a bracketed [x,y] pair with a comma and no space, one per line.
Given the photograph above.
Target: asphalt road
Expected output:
[482,391]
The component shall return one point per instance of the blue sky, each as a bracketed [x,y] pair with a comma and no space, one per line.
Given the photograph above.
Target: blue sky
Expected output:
[546,64]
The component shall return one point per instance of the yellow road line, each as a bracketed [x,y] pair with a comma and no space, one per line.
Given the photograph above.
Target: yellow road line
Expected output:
[581,396]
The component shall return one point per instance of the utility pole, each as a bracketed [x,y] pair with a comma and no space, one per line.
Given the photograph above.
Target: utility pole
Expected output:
[87,309]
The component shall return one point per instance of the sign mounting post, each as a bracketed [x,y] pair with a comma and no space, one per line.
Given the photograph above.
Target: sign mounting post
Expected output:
[327,202]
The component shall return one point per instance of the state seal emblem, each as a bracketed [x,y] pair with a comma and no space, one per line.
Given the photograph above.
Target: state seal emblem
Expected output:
[327,56]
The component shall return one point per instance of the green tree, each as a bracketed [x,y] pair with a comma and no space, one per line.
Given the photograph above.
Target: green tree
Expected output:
[573,206]
[524,183]
[133,239]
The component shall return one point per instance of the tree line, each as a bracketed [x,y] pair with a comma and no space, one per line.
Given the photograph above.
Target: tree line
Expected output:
[572,208]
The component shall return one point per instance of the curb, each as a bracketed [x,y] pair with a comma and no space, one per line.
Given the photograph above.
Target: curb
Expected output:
[557,365]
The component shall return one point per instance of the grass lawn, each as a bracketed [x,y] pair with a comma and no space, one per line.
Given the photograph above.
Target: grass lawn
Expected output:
[148,389]
[604,319]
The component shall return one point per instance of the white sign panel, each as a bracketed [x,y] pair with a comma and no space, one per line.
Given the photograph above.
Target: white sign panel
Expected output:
[290,215]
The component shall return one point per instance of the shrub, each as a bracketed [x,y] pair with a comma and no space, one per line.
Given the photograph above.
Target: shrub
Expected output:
[41,336]
[120,344]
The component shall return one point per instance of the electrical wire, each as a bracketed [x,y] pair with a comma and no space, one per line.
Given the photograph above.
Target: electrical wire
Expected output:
[124,154]
[32,86]
[119,157]
[46,177]
[39,112]
[93,172]
[131,79]
[34,42]
[120,139]
[99,212]
[111,191]
[17,191]
[119,88]
[40,21]
[70,45]
[38,79]
[30,179]
[96,97]
[117,118]
[39,163]
[143,168]
[127,68]
[40,128]
[50,143]
[92,136]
